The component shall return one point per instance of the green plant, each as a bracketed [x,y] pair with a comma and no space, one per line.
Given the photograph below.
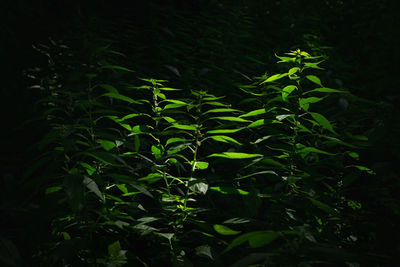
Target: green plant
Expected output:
[139,168]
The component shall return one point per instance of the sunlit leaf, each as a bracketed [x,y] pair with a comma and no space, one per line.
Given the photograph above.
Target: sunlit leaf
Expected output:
[235,155]
[305,102]
[254,113]
[314,79]
[230,119]
[221,131]
[287,91]
[225,139]
[201,165]
[107,145]
[225,230]
[184,127]
[293,70]
[274,78]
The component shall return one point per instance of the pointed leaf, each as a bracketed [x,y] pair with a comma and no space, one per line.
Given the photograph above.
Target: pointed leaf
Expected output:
[225,230]
[324,122]
[254,113]
[314,79]
[225,139]
[275,77]
[287,91]
[235,155]
[304,103]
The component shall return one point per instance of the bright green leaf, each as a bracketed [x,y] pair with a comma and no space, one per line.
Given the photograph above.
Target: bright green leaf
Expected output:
[287,91]
[107,145]
[274,78]
[225,139]
[305,102]
[254,113]
[235,155]
[314,79]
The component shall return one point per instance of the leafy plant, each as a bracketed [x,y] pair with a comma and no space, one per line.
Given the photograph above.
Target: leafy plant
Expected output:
[140,167]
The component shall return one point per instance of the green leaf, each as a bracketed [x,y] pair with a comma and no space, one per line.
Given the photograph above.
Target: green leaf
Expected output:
[229,119]
[66,236]
[107,145]
[225,139]
[151,178]
[157,151]
[324,122]
[274,78]
[217,110]
[169,119]
[201,165]
[286,59]
[174,140]
[314,79]
[171,106]
[179,102]
[229,190]
[89,169]
[293,70]
[219,131]
[235,155]
[225,230]
[354,155]
[305,102]
[214,103]
[262,122]
[254,113]
[287,91]
[184,127]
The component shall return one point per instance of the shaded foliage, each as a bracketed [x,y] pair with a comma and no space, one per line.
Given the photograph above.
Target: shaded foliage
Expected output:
[226,159]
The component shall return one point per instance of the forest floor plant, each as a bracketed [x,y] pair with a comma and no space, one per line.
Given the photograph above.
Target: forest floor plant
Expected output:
[141,174]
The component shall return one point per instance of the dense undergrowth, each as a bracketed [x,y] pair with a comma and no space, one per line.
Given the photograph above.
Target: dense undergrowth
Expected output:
[141,173]
[166,143]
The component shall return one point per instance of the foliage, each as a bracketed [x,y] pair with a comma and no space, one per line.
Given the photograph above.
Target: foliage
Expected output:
[139,167]
[126,170]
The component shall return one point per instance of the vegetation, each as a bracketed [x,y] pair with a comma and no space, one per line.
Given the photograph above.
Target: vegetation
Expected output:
[186,143]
